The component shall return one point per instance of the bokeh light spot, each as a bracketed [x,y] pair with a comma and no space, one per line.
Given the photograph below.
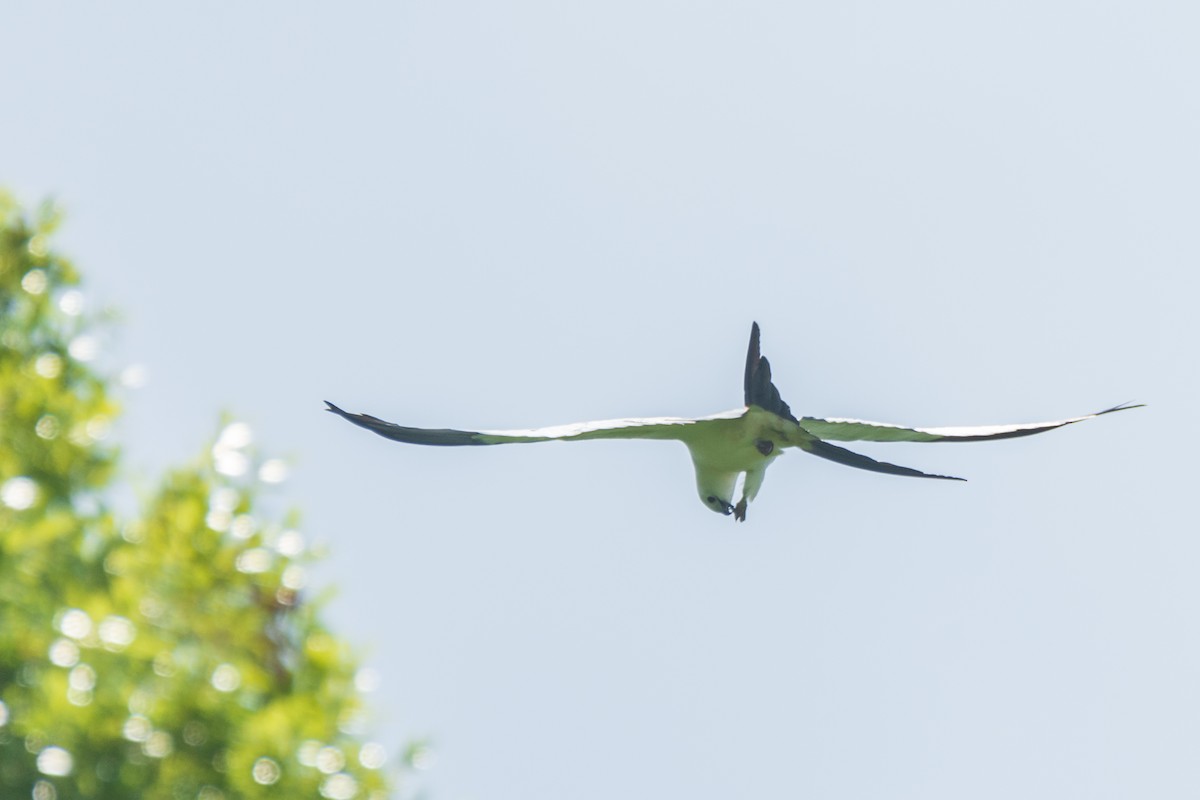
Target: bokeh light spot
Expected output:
[218,520]
[290,543]
[98,428]
[78,435]
[367,679]
[226,678]
[266,771]
[294,577]
[44,790]
[71,302]
[372,755]
[339,787]
[307,753]
[139,701]
[164,664]
[137,728]
[235,436]
[75,623]
[48,365]
[224,499]
[243,526]
[64,653]
[152,608]
[158,745]
[253,561]
[194,733]
[3,714]
[273,470]
[227,456]
[34,281]
[83,348]
[134,376]
[19,493]
[47,426]
[116,633]
[230,463]
[330,760]
[55,761]
[82,678]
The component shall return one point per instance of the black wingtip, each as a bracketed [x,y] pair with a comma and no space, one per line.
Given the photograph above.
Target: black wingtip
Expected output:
[332,409]
[1121,407]
[753,355]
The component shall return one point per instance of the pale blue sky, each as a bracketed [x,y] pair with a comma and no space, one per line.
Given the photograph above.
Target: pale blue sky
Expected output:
[509,214]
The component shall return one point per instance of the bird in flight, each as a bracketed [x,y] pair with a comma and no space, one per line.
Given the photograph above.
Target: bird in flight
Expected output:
[743,441]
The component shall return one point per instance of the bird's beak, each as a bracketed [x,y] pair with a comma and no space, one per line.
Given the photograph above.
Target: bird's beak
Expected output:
[728,509]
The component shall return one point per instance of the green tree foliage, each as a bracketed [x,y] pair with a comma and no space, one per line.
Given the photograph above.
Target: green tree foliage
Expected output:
[173,655]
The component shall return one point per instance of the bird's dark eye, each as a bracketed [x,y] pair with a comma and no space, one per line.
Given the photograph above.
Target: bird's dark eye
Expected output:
[710,499]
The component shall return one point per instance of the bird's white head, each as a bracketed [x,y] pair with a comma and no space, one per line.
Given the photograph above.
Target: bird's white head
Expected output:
[716,490]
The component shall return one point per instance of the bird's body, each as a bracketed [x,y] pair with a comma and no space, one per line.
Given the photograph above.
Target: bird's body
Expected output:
[730,444]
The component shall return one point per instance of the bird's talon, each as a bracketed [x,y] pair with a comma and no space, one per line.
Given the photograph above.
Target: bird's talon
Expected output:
[739,511]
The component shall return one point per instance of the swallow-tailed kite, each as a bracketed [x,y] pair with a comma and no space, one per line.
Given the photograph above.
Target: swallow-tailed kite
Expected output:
[727,445]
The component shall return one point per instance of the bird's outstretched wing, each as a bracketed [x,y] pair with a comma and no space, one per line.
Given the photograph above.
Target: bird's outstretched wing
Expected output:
[760,391]
[856,430]
[678,428]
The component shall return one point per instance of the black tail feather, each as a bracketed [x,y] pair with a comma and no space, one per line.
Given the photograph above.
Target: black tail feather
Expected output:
[851,459]
[760,391]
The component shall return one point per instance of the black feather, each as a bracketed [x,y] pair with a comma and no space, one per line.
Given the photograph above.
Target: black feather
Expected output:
[851,459]
[759,389]
[400,433]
